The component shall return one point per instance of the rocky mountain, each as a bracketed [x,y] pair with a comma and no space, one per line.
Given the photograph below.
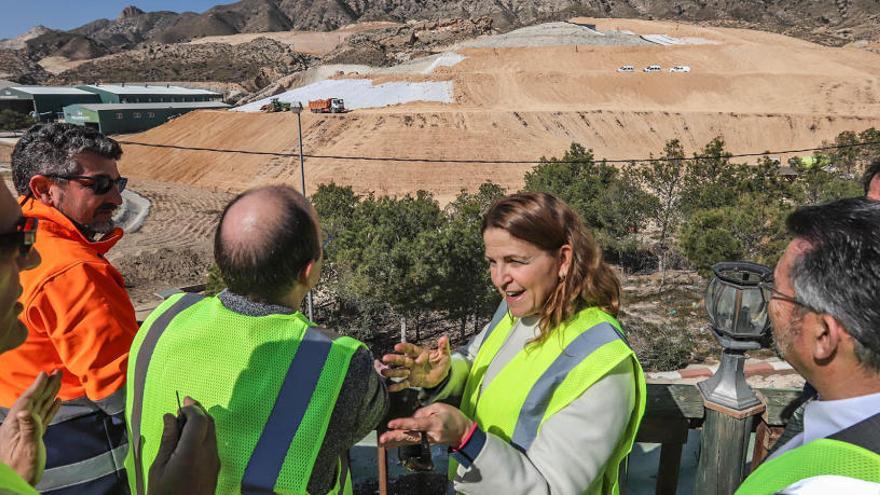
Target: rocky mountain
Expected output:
[151,34]
[830,22]
[253,65]
[63,44]
[390,46]
[17,67]
[20,42]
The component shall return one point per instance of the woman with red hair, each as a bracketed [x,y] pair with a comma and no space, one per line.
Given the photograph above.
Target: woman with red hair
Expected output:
[550,393]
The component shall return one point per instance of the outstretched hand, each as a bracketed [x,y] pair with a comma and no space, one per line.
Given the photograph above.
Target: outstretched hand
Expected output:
[21,434]
[443,423]
[416,366]
[187,461]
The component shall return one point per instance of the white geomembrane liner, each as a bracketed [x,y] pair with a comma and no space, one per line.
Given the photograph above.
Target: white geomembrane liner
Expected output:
[447,59]
[361,93]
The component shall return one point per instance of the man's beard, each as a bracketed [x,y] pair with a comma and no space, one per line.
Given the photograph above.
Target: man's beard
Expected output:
[102,227]
[783,340]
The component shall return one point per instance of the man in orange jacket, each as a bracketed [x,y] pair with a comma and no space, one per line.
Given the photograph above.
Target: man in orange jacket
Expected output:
[76,309]
[187,461]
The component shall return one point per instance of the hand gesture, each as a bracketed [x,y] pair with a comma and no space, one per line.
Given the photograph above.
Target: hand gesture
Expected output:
[417,366]
[21,435]
[443,423]
[187,461]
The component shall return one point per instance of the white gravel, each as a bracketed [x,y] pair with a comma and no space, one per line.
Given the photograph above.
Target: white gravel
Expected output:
[361,93]
[555,34]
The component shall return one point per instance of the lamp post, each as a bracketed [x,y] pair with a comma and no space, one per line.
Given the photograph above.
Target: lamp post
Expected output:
[297,108]
[737,309]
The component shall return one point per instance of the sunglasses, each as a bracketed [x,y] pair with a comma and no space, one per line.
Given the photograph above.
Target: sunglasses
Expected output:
[99,184]
[22,239]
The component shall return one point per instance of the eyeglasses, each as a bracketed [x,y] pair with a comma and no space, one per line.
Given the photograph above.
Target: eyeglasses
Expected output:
[99,184]
[23,238]
[770,292]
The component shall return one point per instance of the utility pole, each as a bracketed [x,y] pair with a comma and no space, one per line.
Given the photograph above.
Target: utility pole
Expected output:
[297,108]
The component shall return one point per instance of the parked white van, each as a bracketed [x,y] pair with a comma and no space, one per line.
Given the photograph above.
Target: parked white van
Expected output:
[653,68]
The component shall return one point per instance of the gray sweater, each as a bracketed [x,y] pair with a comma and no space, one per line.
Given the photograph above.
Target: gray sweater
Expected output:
[362,402]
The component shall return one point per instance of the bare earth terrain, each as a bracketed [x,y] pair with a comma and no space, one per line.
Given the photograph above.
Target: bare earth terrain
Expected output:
[760,91]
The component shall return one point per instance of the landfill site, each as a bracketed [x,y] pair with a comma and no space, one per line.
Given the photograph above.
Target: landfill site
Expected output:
[515,97]
[526,94]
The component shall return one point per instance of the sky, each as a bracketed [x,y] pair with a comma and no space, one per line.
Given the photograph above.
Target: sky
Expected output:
[69,14]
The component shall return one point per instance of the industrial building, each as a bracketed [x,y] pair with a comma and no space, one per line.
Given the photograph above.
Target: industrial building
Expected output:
[148,93]
[47,101]
[113,118]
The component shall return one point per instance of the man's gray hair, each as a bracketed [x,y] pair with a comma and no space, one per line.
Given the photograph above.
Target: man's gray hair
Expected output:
[840,273]
[49,149]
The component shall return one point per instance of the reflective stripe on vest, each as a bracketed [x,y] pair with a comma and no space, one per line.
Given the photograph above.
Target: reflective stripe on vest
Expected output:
[145,352]
[71,475]
[535,406]
[86,441]
[296,392]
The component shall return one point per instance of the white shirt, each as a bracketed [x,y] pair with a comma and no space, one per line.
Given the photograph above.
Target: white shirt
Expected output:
[823,418]
[823,485]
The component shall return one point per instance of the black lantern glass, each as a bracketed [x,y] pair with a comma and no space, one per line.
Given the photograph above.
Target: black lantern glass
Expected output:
[737,308]
[736,304]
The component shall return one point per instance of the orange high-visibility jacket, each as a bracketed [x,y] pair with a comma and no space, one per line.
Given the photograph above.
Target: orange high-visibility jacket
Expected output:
[77,312]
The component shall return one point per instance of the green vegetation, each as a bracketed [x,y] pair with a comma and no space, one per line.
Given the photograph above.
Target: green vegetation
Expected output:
[10,120]
[393,260]
[404,259]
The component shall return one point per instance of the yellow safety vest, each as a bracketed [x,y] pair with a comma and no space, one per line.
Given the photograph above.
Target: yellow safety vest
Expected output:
[270,383]
[11,482]
[542,380]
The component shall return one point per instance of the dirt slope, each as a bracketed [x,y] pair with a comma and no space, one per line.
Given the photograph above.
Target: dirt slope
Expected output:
[760,91]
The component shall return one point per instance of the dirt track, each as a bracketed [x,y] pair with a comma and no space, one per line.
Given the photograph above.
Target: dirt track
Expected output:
[761,91]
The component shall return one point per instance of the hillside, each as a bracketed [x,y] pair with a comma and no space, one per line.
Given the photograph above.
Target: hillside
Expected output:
[833,23]
[253,65]
[41,51]
[760,91]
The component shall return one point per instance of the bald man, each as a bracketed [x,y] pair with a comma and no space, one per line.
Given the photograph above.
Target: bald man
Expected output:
[289,398]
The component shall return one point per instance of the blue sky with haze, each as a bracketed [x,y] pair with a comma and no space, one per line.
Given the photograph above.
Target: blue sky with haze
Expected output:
[69,14]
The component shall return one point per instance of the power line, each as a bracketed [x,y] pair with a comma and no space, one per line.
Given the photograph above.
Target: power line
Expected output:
[505,162]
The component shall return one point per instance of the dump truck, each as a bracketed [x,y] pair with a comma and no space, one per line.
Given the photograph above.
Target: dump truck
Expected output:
[329,105]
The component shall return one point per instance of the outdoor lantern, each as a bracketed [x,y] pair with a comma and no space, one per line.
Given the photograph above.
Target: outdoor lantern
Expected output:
[737,310]
[736,304]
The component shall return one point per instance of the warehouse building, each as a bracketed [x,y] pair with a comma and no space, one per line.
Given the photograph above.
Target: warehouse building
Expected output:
[47,101]
[113,118]
[146,93]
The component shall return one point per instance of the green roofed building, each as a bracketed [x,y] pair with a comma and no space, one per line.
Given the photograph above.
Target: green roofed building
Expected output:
[47,101]
[147,93]
[112,118]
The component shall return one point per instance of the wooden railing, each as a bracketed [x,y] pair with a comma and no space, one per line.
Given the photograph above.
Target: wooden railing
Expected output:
[674,409]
